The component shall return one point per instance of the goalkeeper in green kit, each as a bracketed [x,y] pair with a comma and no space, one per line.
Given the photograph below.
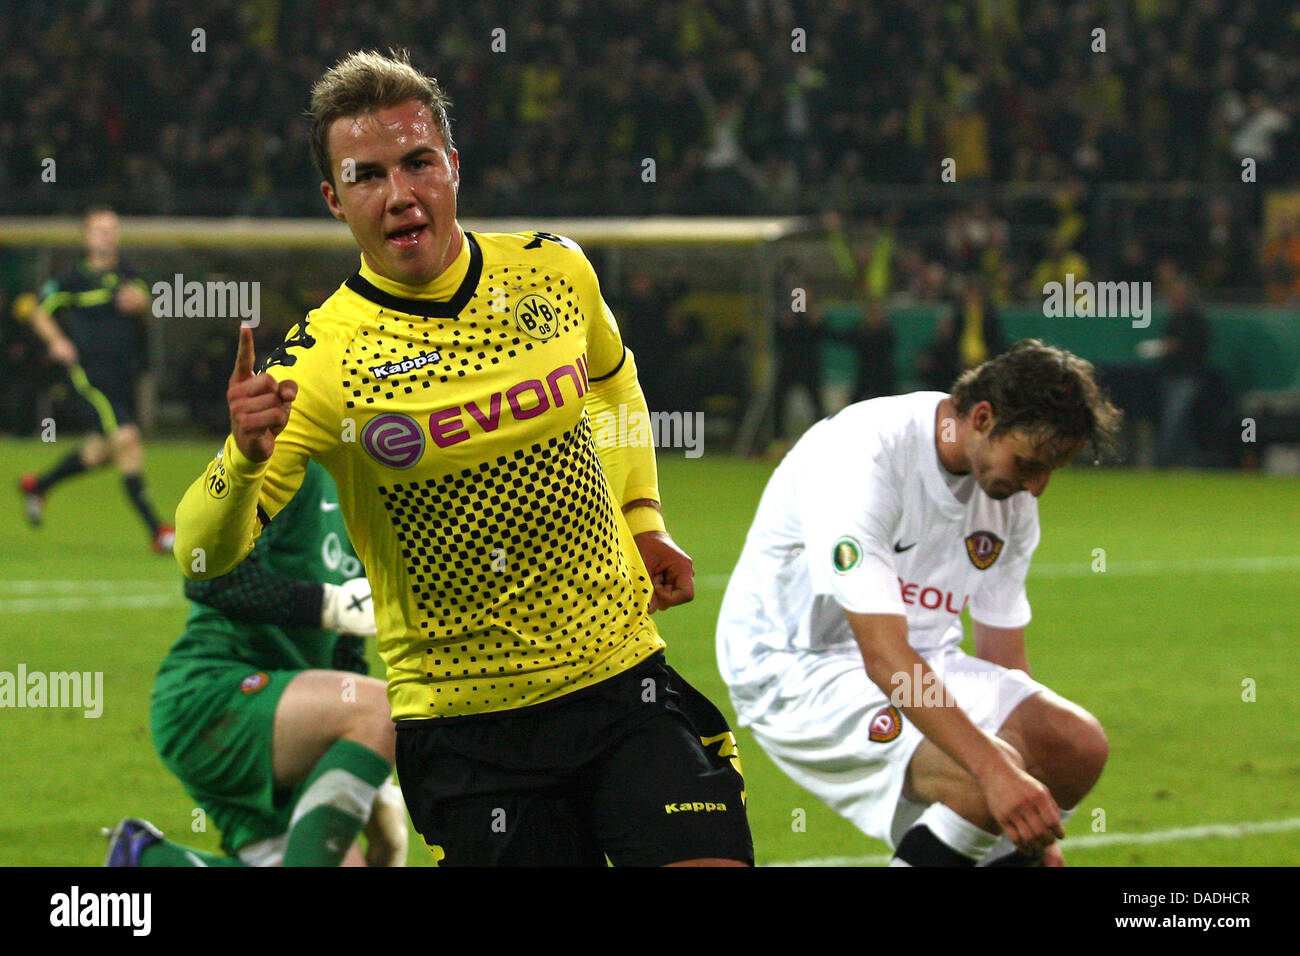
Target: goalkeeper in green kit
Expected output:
[262,709]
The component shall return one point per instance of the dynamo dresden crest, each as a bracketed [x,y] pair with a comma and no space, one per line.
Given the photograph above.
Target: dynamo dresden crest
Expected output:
[983,548]
[254,682]
[886,724]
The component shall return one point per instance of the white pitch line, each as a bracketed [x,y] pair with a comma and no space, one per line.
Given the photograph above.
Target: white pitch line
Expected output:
[92,603]
[1083,568]
[1090,841]
[54,586]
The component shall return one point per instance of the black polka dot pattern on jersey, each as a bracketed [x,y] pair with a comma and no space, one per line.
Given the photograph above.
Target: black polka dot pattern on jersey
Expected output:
[544,515]
[481,336]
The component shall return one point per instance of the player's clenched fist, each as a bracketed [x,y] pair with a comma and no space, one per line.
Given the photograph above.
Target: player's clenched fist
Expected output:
[672,573]
[259,406]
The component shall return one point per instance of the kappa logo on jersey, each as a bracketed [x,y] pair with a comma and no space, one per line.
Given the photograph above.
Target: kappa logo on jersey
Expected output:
[886,724]
[406,365]
[254,682]
[983,548]
[536,317]
[846,555]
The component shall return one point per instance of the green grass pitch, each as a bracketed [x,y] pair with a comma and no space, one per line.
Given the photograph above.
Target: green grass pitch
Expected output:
[1198,603]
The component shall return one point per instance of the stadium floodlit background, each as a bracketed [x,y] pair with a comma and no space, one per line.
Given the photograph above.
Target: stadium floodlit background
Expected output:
[789,205]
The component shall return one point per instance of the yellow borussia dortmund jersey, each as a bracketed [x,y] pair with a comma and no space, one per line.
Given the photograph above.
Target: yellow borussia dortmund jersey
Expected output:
[455,422]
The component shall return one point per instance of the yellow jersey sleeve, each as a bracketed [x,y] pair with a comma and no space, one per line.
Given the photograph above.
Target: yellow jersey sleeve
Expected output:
[222,513]
[615,404]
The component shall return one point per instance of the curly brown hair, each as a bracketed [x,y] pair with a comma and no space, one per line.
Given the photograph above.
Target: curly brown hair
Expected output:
[1044,392]
[363,82]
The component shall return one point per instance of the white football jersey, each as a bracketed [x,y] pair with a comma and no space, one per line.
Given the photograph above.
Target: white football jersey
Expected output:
[861,516]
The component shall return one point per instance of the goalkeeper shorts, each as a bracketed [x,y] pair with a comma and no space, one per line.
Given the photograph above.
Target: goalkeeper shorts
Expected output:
[213,730]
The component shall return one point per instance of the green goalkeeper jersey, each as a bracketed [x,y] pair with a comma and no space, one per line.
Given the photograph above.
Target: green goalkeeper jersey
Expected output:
[307,542]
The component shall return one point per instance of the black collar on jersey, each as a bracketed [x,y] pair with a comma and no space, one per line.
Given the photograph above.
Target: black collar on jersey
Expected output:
[429,308]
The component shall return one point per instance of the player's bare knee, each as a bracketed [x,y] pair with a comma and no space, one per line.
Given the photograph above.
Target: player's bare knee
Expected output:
[1088,746]
[1072,748]
[369,720]
[94,452]
[127,446]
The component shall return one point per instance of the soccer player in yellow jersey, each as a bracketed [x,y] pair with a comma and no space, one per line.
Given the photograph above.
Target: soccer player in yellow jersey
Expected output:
[516,554]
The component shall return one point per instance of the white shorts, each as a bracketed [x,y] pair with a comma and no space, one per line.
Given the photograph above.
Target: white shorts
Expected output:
[835,733]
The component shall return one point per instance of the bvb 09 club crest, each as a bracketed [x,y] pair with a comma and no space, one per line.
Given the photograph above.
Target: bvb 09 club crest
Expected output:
[983,548]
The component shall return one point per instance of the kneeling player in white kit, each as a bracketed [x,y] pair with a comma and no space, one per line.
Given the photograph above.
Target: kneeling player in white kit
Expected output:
[875,531]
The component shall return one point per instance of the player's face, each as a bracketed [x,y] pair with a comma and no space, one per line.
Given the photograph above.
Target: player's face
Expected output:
[101,233]
[398,192]
[1014,462]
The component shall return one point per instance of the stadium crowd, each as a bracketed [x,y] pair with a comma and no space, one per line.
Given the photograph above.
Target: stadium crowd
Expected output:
[761,106]
[756,106]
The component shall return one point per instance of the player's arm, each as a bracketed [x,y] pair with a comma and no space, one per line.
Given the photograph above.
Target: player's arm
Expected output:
[1004,646]
[629,465]
[222,513]
[132,297]
[43,323]
[1000,607]
[1022,806]
[217,521]
[893,666]
[255,594]
[628,459]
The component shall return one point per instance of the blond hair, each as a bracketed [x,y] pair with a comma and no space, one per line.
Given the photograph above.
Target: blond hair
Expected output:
[366,81]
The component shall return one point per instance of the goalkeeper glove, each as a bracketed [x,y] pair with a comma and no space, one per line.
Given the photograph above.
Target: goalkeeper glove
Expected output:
[348,608]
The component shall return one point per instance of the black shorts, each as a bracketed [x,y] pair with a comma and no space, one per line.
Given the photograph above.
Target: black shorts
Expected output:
[106,404]
[640,768]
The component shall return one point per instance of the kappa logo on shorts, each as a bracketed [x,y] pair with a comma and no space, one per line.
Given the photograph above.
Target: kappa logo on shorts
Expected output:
[983,548]
[698,806]
[254,682]
[846,555]
[886,724]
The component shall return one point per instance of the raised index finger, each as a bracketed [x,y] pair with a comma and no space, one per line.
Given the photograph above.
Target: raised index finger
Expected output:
[244,357]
